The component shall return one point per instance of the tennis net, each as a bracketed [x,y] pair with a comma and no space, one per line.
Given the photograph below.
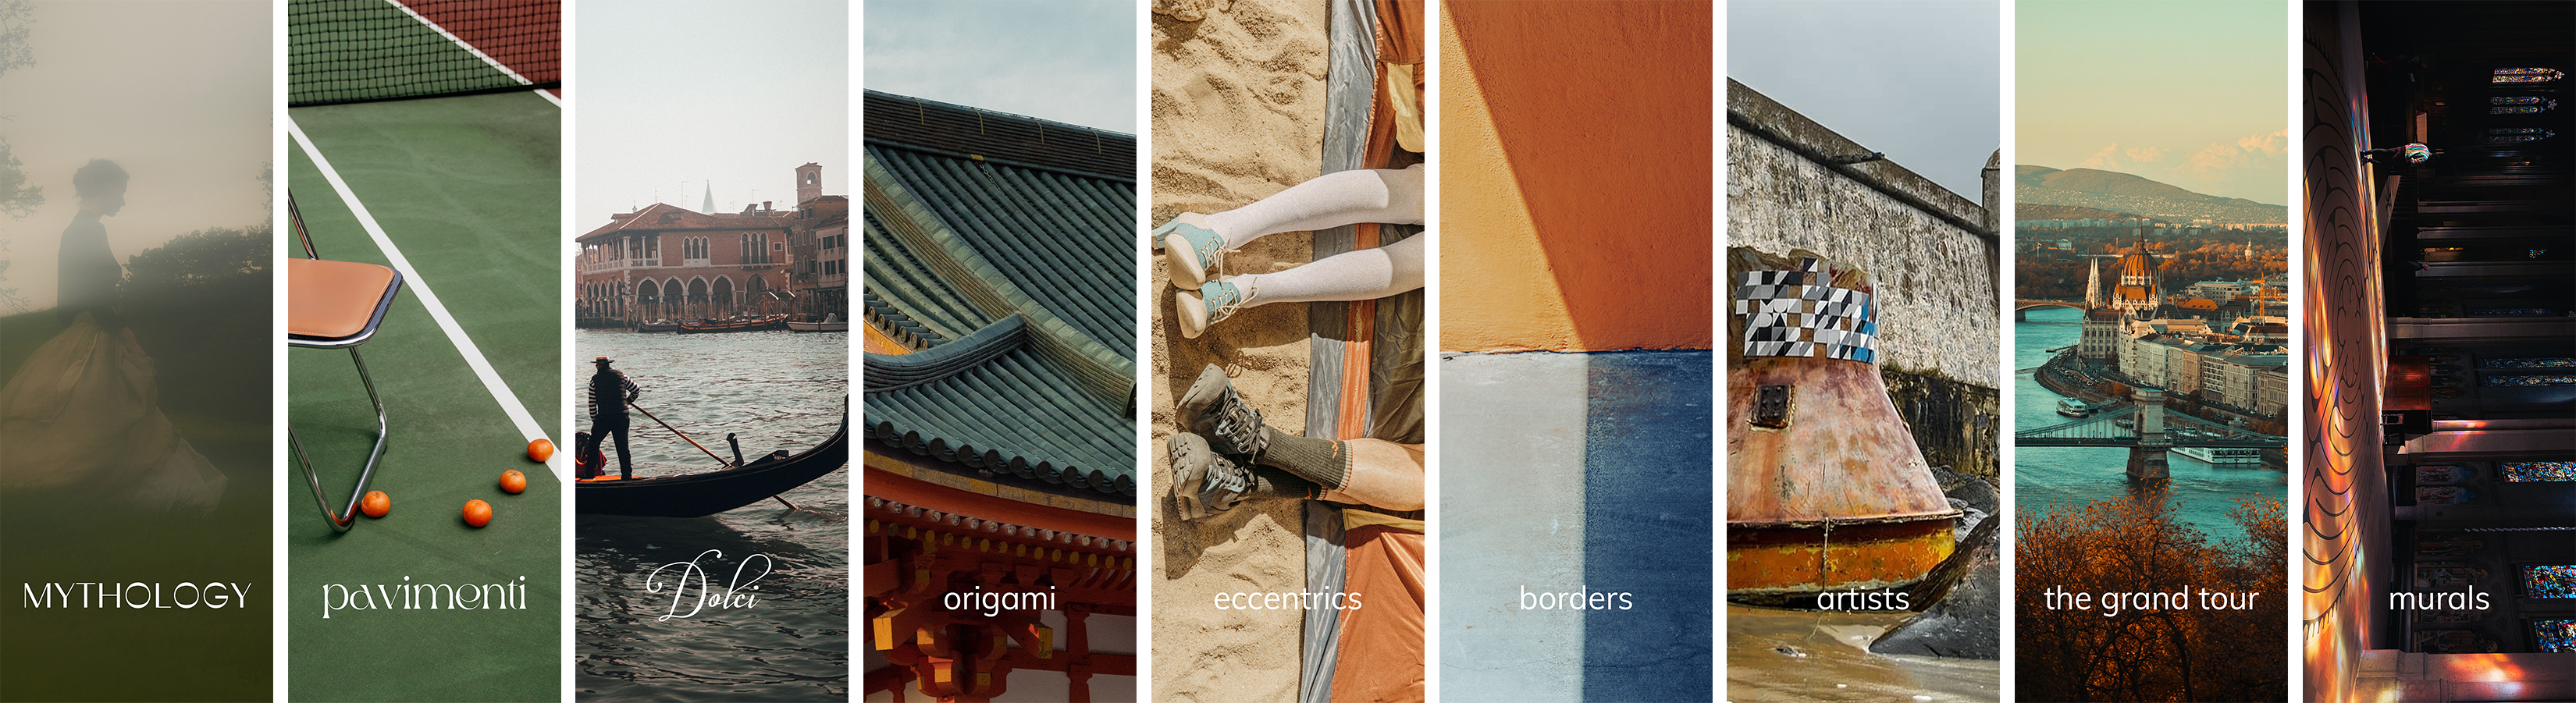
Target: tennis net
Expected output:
[343,51]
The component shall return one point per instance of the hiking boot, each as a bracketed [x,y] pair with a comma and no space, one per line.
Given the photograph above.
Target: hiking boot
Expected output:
[1206,482]
[1212,410]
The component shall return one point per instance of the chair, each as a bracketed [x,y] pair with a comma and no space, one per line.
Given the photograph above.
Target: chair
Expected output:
[331,305]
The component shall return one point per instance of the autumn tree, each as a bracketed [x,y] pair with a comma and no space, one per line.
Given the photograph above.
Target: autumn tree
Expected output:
[2135,545]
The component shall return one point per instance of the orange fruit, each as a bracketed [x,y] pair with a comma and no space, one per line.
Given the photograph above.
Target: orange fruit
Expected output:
[513,481]
[478,513]
[540,450]
[376,504]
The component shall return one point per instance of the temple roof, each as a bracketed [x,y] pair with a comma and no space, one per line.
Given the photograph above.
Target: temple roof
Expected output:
[1002,250]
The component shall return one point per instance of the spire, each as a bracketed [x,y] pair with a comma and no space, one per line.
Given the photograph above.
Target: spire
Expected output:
[710,207]
[2093,287]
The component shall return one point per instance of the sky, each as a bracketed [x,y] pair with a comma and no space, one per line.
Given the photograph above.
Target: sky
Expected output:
[178,93]
[670,98]
[1917,80]
[2193,94]
[1072,62]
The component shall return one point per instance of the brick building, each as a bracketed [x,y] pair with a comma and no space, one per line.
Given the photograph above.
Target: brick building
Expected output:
[665,262]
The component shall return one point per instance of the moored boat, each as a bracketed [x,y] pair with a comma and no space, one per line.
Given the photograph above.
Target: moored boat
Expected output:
[708,493]
[2222,456]
[756,324]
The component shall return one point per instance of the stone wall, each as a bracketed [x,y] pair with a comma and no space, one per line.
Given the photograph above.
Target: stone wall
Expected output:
[1954,423]
[1935,270]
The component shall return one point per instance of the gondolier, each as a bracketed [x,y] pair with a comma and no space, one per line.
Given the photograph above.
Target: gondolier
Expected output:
[610,391]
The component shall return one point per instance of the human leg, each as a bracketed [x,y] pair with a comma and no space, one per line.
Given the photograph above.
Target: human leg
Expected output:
[1382,474]
[625,464]
[1366,471]
[1331,200]
[1363,274]
[1196,244]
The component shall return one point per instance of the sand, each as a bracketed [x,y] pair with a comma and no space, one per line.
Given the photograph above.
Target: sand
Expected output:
[1238,105]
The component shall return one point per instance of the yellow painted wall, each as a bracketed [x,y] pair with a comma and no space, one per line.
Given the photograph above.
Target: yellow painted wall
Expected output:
[1575,160]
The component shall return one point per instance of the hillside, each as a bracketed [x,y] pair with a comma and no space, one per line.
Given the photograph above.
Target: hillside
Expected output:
[2110,190]
[2035,211]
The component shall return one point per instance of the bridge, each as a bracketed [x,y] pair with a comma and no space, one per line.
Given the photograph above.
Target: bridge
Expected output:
[2022,307]
[2148,434]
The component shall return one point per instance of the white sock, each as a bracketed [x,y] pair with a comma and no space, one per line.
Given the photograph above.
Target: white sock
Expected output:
[1361,274]
[1330,200]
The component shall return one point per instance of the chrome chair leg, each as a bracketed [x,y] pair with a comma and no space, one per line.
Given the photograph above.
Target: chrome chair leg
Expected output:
[343,519]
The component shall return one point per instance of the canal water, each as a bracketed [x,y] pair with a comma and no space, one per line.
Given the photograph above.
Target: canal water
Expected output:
[1786,655]
[731,633]
[2073,476]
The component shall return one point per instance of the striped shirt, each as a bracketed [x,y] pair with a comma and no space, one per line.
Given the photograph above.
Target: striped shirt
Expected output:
[614,384]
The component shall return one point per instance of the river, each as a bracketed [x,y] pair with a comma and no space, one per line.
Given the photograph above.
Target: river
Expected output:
[788,636]
[2043,477]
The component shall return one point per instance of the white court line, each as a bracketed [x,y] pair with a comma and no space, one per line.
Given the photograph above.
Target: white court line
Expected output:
[460,43]
[464,345]
[478,53]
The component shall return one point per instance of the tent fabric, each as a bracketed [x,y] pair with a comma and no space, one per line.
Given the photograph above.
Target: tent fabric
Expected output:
[1365,371]
[1381,642]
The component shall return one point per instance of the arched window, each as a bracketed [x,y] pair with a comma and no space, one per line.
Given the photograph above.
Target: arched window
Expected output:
[2527,75]
[2517,135]
[2520,105]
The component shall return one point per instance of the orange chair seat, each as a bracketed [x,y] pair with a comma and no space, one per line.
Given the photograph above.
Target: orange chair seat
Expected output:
[335,300]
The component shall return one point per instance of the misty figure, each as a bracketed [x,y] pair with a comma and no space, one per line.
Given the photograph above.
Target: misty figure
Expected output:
[81,421]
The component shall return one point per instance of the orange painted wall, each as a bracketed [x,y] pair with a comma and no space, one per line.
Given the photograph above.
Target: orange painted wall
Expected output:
[1575,161]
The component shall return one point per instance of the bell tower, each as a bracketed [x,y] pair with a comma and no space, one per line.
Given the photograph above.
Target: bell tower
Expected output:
[809,183]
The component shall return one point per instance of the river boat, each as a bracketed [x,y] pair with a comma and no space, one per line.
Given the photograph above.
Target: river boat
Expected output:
[2223,456]
[708,493]
[2071,407]
[755,324]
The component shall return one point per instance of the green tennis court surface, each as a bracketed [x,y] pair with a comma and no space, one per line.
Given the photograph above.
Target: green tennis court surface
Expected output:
[467,188]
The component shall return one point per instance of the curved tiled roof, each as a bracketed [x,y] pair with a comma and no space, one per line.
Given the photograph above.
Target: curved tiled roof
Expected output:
[1008,265]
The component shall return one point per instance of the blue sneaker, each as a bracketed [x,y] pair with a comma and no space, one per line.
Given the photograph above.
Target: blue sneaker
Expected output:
[1193,252]
[1210,304]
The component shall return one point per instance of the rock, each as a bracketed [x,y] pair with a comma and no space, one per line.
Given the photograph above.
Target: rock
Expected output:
[1976,492]
[1964,621]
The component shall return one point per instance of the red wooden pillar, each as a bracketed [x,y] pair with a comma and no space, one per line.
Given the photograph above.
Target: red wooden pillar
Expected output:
[1077,649]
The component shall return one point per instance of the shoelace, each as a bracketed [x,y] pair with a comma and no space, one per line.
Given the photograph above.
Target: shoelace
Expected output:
[1224,475]
[1211,253]
[1239,425]
[1234,298]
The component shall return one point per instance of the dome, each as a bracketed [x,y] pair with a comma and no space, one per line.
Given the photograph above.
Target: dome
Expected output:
[2138,264]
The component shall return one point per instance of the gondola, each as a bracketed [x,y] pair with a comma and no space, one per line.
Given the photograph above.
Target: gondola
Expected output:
[702,494]
[769,322]
[658,326]
[818,326]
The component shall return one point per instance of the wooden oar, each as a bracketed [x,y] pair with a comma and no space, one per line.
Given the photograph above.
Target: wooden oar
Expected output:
[684,436]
